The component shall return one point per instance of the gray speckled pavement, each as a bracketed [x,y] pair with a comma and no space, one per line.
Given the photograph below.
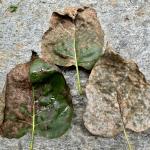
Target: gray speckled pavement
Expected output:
[127,28]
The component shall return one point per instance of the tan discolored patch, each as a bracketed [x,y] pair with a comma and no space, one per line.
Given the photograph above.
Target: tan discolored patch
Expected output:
[113,3]
[3,57]
[19,46]
[140,12]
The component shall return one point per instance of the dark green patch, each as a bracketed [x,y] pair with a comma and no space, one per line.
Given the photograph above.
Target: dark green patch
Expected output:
[54,107]
[41,71]
[22,132]
[13,8]
[23,109]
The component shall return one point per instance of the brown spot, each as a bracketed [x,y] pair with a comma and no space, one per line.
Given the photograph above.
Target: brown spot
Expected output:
[126,18]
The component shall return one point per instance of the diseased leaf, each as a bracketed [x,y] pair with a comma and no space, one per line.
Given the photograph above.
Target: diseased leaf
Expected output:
[53,105]
[74,33]
[116,86]
[74,38]
[52,100]
[18,103]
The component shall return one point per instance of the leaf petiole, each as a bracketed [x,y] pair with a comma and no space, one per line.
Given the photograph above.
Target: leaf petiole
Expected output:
[76,65]
[33,120]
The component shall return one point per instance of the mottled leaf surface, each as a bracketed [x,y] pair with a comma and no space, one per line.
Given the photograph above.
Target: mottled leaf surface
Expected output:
[18,103]
[53,103]
[76,31]
[52,100]
[116,85]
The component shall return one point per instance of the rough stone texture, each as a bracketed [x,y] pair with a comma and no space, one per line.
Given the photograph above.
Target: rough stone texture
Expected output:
[126,24]
[118,95]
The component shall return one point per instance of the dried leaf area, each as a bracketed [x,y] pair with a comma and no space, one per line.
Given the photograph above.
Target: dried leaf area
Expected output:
[18,103]
[50,99]
[117,94]
[74,38]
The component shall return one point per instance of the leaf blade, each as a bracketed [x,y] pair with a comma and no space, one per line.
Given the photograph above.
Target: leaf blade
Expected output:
[50,119]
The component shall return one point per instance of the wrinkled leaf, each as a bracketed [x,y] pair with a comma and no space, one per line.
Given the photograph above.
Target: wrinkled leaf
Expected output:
[116,86]
[74,38]
[53,103]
